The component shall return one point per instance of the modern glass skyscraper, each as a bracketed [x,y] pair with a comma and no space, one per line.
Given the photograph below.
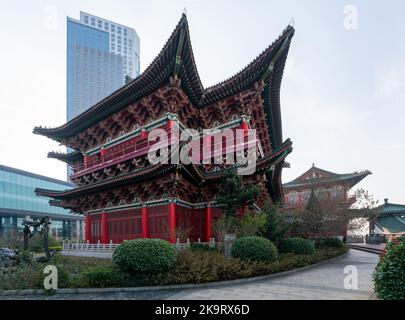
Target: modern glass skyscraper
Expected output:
[100,54]
[124,41]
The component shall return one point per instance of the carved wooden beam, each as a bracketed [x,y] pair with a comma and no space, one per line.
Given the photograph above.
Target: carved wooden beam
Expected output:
[110,172]
[124,167]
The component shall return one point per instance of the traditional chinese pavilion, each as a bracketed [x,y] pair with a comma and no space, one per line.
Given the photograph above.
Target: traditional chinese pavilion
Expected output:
[120,193]
[389,220]
[333,186]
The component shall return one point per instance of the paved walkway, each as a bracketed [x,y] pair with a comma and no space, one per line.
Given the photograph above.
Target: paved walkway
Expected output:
[325,282]
[322,282]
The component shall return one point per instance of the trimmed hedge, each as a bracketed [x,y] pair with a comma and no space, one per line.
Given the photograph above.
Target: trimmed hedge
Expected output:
[389,275]
[296,246]
[254,249]
[202,247]
[36,243]
[328,243]
[103,277]
[145,256]
[56,248]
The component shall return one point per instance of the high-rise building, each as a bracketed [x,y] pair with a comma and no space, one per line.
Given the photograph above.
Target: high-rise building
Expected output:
[100,54]
[124,41]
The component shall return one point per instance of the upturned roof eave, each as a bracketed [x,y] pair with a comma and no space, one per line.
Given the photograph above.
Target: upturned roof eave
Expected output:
[118,100]
[357,177]
[66,157]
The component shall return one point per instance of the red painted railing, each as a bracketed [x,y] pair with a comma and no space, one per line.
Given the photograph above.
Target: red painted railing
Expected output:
[140,146]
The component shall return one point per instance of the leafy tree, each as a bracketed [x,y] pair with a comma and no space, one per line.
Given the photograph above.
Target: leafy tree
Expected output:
[324,217]
[233,195]
[252,224]
[36,243]
[275,228]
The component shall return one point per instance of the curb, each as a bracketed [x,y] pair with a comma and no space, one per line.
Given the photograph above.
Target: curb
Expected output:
[373,296]
[25,292]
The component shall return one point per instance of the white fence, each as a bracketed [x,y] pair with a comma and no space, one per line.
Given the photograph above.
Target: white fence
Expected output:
[187,244]
[87,246]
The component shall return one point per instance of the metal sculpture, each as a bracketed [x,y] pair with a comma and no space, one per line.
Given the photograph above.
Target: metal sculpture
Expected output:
[44,223]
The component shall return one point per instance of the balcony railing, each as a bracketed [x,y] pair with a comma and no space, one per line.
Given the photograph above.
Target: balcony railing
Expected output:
[140,148]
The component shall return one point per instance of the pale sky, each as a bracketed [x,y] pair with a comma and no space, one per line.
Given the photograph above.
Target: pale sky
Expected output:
[342,97]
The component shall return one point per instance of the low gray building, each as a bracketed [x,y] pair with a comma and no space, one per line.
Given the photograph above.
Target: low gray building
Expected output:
[18,201]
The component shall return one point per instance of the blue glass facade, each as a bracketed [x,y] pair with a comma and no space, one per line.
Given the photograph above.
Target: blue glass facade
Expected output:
[19,201]
[93,72]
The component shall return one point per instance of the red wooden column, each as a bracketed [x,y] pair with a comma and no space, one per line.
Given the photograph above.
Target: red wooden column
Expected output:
[104,228]
[145,224]
[172,222]
[87,230]
[102,153]
[208,221]
[86,160]
[245,128]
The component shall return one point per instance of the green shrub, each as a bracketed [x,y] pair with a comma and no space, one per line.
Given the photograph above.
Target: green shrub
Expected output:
[328,243]
[112,276]
[191,267]
[202,247]
[25,257]
[102,277]
[22,276]
[145,256]
[202,267]
[56,248]
[296,246]
[206,266]
[276,227]
[36,243]
[254,249]
[389,275]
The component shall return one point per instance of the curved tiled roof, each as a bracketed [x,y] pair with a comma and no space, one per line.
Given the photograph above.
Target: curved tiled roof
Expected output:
[393,224]
[390,208]
[391,217]
[325,177]
[177,58]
